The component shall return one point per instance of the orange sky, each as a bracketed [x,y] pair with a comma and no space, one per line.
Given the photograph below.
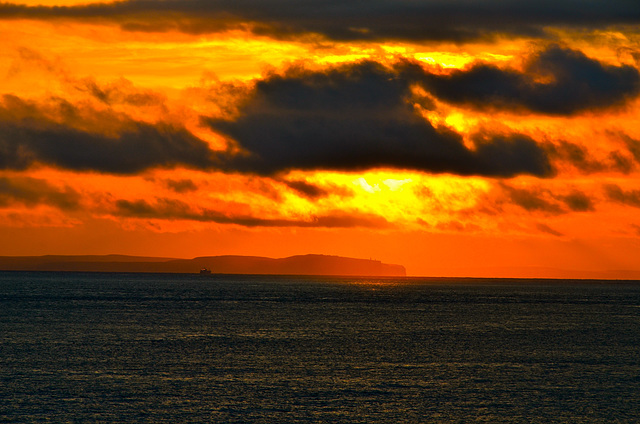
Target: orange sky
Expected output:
[482,139]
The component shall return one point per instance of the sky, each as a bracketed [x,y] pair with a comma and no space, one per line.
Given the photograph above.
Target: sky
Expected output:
[454,137]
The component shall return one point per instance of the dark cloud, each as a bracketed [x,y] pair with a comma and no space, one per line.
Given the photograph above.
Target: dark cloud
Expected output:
[619,162]
[120,92]
[617,194]
[164,209]
[357,117]
[546,229]
[172,209]
[455,20]
[533,199]
[580,158]
[32,192]
[572,83]
[633,145]
[35,138]
[308,190]
[511,155]
[181,186]
[348,118]
[576,155]
[542,200]
[578,201]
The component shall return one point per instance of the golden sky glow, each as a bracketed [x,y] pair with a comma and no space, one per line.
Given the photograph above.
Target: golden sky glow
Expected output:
[489,147]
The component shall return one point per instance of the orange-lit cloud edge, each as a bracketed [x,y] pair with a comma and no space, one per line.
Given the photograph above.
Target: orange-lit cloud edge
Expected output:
[490,151]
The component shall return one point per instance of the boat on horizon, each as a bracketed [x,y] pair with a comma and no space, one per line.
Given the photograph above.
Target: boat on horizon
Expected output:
[205,271]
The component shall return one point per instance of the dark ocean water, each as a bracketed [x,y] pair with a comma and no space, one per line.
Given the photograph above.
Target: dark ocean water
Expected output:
[158,348]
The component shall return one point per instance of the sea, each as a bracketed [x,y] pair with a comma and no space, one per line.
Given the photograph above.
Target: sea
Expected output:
[177,348]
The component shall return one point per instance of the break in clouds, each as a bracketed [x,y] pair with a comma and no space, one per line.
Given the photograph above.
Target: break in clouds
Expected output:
[351,117]
[441,20]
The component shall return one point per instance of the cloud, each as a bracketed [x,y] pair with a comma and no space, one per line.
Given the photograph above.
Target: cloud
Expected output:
[620,162]
[629,198]
[356,117]
[181,186]
[34,137]
[307,190]
[546,229]
[579,157]
[578,201]
[532,200]
[172,209]
[576,155]
[542,200]
[633,145]
[32,192]
[455,20]
[121,91]
[350,118]
[573,83]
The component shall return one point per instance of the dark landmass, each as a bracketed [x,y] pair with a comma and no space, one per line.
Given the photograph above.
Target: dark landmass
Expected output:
[293,265]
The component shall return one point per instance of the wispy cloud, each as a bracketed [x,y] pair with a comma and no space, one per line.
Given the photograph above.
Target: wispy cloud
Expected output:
[173,209]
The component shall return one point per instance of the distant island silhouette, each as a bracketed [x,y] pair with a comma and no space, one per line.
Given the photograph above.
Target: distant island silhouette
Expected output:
[228,264]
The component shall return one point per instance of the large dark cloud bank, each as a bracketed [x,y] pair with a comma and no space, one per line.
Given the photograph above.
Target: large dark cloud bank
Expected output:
[351,117]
